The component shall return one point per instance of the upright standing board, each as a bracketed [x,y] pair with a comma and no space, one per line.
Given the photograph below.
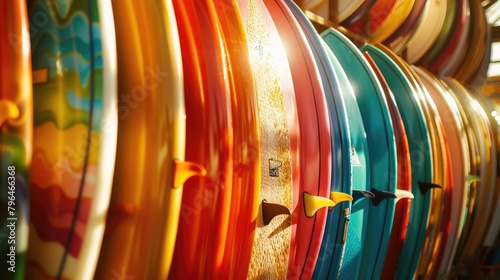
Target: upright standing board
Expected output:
[399,79]
[382,150]
[332,247]
[16,136]
[308,223]
[206,203]
[75,134]
[278,138]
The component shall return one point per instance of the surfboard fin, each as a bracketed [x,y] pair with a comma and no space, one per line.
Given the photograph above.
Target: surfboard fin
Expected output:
[473,178]
[400,194]
[381,195]
[313,203]
[424,187]
[116,214]
[271,210]
[339,197]
[359,194]
[184,170]
[8,111]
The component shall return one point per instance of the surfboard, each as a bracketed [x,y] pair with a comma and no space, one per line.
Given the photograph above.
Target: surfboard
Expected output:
[146,72]
[490,237]
[473,172]
[454,53]
[308,222]
[382,150]
[436,56]
[452,18]
[477,44]
[345,8]
[427,30]
[360,12]
[369,24]
[457,142]
[246,132]
[399,39]
[332,246]
[279,147]
[75,134]
[386,18]
[439,220]
[206,204]
[477,226]
[16,135]
[354,213]
[404,88]
[403,192]
[478,79]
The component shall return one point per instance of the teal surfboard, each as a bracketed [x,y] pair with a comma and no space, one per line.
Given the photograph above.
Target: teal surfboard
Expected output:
[382,152]
[421,159]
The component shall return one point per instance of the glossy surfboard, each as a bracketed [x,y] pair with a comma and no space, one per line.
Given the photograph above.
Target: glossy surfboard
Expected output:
[403,192]
[354,213]
[332,247]
[75,134]
[149,120]
[437,56]
[360,12]
[206,202]
[308,222]
[399,39]
[452,17]
[385,19]
[427,30]
[345,8]
[16,135]
[382,150]
[396,72]
[477,44]
[451,57]
[246,132]
[439,219]
[476,227]
[493,223]
[457,142]
[276,104]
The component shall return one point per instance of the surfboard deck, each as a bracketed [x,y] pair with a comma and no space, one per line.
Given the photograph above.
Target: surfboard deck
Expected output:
[246,136]
[315,149]
[354,216]
[402,210]
[146,129]
[206,203]
[16,134]
[276,103]
[405,93]
[329,263]
[74,136]
[375,113]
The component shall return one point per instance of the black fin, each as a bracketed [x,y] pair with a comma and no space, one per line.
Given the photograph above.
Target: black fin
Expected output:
[425,187]
[358,194]
[381,195]
[271,210]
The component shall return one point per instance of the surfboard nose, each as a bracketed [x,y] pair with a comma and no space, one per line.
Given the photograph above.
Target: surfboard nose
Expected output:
[184,170]
[8,111]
